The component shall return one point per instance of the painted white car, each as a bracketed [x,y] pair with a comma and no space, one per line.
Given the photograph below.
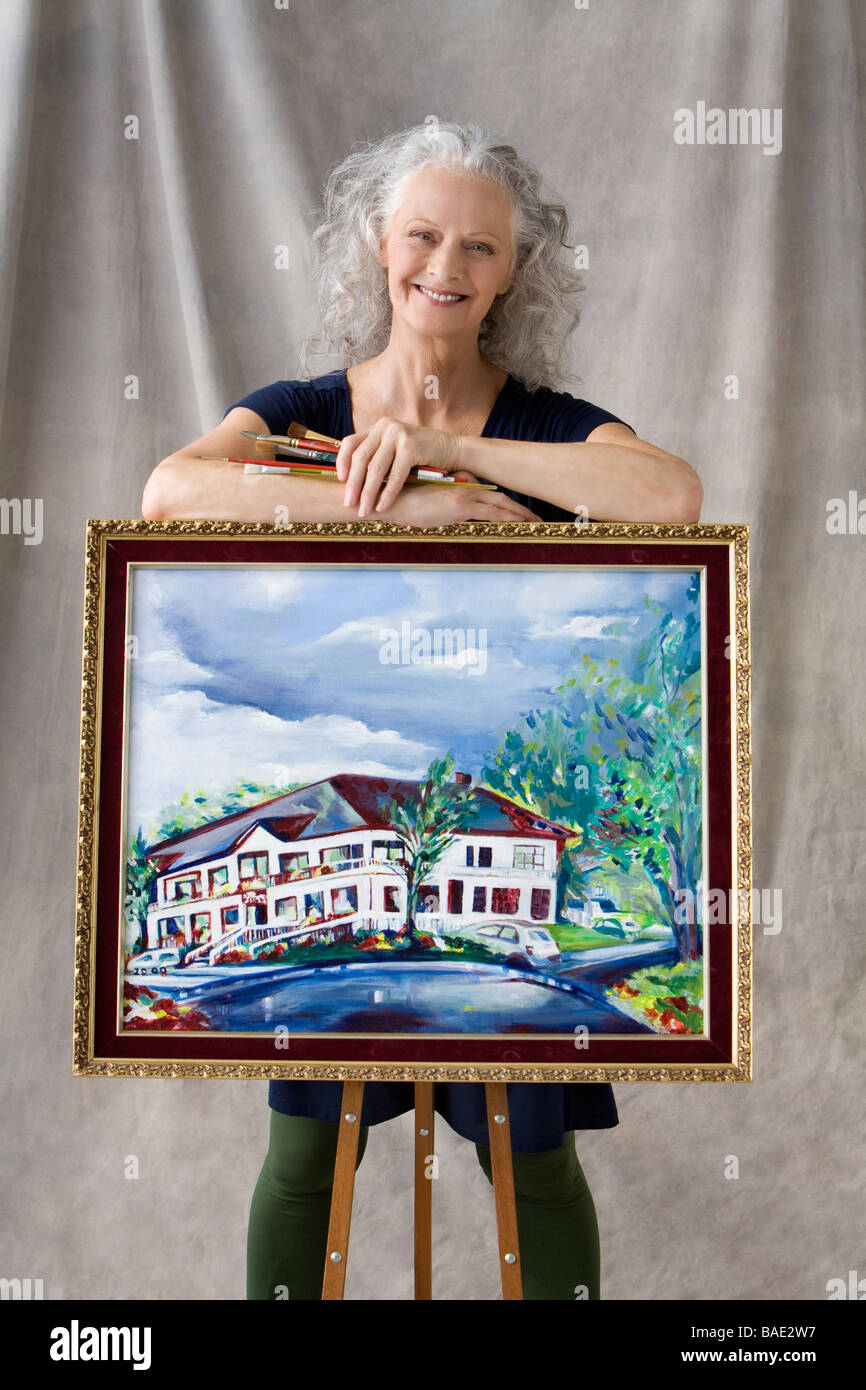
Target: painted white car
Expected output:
[528,943]
[157,962]
[629,929]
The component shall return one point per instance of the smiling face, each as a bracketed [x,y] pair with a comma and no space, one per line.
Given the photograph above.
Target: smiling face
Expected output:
[448,251]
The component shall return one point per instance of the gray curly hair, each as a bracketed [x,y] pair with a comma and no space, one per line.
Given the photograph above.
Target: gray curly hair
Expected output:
[527,327]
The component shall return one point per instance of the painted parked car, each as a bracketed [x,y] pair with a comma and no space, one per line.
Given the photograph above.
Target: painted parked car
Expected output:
[629,929]
[522,943]
[158,962]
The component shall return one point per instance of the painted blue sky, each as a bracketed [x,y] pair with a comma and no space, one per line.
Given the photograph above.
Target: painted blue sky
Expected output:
[275,674]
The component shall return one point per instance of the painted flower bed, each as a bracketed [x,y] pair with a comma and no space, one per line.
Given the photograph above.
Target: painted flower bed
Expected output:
[145,1008]
[669,997]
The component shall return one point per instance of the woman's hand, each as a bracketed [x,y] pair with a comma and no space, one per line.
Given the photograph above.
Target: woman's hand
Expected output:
[375,464]
[442,504]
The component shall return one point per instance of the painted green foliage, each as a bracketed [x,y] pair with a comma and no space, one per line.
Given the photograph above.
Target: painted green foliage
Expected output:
[426,822]
[617,756]
[140,875]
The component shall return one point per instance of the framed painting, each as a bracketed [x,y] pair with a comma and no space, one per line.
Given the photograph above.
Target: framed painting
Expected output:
[361,802]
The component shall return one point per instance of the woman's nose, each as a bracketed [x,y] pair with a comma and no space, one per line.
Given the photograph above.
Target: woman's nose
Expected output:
[446,262]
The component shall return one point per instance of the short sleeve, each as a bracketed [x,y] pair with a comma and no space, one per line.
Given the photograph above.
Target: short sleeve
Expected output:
[278,404]
[550,417]
[572,420]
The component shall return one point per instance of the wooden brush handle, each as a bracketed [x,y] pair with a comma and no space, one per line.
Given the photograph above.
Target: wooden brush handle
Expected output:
[301,432]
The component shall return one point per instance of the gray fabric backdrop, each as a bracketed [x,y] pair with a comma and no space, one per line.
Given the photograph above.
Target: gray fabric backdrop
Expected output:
[154,257]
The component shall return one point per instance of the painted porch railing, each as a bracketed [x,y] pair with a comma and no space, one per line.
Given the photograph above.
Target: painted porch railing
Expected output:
[250,885]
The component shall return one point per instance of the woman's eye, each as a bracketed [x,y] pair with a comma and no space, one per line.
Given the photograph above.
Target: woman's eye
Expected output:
[475,245]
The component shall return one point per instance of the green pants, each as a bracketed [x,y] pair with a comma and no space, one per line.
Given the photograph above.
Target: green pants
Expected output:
[288,1228]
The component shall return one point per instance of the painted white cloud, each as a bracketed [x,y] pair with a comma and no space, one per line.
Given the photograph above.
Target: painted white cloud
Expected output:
[577,593]
[581,625]
[170,667]
[272,587]
[361,630]
[156,657]
[184,740]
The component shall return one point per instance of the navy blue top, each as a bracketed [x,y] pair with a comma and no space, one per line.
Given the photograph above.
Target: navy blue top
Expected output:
[539,1112]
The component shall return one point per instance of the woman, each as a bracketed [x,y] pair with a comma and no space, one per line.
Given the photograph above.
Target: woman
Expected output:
[444,289]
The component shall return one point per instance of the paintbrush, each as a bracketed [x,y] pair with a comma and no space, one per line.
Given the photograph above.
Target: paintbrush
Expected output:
[315,469]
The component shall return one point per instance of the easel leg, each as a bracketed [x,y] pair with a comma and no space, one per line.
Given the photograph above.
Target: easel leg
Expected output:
[424,1116]
[344,1187]
[499,1130]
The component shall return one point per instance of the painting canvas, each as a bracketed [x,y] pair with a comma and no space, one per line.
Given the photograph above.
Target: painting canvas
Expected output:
[451,801]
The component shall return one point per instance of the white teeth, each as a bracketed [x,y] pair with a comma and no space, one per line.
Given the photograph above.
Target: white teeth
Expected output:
[443,298]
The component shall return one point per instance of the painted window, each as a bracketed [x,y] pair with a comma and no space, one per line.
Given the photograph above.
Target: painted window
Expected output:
[288,862]
[314,906]
[470,856]
[216,878]
[505,900]
[479,899]
[229,916]
[344,899]
[529,856]
[200,927]
[188,886]
[387,849]
[392,898]
[170,928]
[428,898]
[485,857]
[287,909]
[253,865]
[336,853]
[540,908]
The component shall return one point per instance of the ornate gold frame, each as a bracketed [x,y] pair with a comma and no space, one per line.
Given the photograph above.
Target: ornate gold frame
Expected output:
[100,532]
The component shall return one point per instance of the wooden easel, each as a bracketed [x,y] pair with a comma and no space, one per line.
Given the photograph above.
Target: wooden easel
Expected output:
[344,1186]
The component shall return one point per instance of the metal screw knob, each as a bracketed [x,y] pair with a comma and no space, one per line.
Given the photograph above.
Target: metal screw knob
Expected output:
[337,1257]
[500,1119]
[351,1118]
[425,1132]
[509,1259]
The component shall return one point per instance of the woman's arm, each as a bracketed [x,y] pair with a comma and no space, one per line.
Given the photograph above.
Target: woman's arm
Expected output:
[184,485]
[612,475]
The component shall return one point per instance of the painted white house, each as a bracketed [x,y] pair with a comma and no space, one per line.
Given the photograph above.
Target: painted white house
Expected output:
[321,862]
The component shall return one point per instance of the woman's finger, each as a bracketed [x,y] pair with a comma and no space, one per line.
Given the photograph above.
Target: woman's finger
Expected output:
[503,503]
[348,445]
[358,467]
[397,475]
[379,470]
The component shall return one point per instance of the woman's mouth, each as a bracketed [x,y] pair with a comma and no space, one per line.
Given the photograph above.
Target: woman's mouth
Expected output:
[439,296]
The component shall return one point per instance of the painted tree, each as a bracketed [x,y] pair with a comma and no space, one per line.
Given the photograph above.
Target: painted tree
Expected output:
[648,756]
[426,822]
[542,765]
[140,875]
[618,757]
[195,808]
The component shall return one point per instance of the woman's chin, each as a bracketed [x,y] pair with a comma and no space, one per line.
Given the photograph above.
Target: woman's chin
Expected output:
[434,323]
